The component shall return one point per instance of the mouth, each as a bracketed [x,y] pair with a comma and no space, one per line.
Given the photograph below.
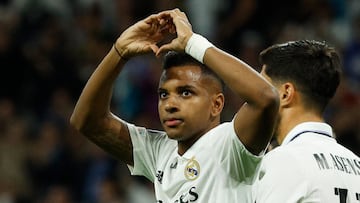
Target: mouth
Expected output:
[172,122]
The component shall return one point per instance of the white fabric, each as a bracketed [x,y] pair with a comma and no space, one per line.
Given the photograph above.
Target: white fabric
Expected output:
[309,167]
[196,47]
[220,169]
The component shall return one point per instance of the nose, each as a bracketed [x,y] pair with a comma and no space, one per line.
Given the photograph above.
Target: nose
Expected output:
[171,104]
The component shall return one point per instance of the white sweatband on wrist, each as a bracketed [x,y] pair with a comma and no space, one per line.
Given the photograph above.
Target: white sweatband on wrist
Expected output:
[196,47]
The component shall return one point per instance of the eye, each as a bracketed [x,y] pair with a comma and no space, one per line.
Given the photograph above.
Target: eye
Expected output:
[186,93]
[163,95]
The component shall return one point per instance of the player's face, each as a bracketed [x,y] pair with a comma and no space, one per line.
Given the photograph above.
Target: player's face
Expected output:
[186,103]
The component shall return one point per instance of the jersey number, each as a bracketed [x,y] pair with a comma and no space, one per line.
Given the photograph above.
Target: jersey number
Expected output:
[343,194]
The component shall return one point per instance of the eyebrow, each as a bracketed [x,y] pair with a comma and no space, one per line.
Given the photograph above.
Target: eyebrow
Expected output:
[184,87]
[161,90]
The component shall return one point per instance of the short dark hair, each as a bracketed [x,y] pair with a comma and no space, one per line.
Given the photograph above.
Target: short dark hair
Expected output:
[173,59]
[314,67]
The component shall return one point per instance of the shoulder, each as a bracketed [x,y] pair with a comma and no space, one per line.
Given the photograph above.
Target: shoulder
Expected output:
[225,125]
[139,130]
[283,156]
[225,128]
[281,177]
[219,132]
[283,167]
[145,135]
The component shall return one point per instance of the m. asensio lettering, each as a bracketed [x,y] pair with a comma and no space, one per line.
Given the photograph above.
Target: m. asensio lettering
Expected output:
[335,162]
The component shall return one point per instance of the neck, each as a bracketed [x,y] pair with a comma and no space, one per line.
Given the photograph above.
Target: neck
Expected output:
[292,118]
[184,145]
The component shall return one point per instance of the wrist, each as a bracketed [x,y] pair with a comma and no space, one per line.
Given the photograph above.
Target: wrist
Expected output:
[196,46]
[120,54]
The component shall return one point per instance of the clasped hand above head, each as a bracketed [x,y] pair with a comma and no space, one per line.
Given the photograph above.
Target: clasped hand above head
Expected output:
[146,35]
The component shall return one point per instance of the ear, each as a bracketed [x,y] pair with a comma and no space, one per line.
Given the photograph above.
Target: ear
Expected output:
[218,101]
[287,93]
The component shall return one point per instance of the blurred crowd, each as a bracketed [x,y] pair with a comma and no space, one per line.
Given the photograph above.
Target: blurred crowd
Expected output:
[48,49]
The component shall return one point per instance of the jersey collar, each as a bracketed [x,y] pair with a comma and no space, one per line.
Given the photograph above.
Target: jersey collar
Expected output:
[314,127]
[199,145]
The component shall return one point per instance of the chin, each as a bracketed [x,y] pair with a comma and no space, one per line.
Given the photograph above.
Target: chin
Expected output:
[173,134]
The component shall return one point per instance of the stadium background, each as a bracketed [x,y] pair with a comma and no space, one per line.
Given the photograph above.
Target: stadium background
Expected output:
[48,49]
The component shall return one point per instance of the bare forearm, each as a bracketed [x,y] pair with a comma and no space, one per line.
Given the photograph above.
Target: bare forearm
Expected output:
[240,77]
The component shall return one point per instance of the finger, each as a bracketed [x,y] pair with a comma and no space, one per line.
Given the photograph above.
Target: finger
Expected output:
[165,23]
[154,48]
[164,48]
[164,13]
[179,18]
[172,30]
[153,22]
[151,19]
[167,28]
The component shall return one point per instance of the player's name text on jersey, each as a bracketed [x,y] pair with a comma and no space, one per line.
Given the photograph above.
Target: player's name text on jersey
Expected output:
[335,162]
[190,196]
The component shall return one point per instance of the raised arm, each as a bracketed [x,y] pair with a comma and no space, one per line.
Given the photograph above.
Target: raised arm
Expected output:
[92,116]
[254,122]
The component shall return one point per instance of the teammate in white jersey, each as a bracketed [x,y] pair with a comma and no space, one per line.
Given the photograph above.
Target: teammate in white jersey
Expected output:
[309,165]
[195,159]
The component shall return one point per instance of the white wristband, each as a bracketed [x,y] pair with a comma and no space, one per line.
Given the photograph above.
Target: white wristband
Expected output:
[196,46]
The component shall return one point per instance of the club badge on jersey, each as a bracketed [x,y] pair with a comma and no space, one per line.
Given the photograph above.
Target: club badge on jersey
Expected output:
[192,169]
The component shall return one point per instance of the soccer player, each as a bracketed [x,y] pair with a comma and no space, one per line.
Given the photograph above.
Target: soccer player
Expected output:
[309,165]
[195,159]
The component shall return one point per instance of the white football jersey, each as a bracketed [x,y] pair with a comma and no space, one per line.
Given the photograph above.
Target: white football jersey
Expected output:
[217,168]
[309,166]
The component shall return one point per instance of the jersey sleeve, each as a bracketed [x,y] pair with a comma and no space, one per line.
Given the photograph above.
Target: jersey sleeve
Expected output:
[237,160]
[147,145]
[279,180]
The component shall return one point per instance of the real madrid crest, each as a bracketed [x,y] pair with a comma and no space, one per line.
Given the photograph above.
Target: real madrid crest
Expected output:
[192,169]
